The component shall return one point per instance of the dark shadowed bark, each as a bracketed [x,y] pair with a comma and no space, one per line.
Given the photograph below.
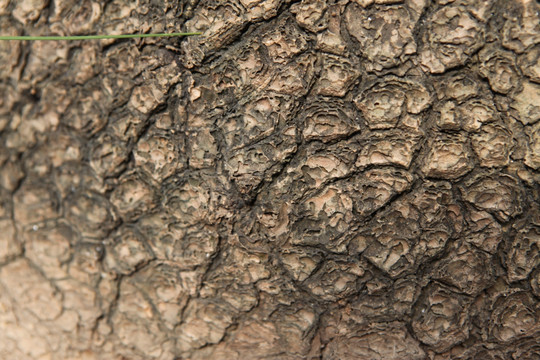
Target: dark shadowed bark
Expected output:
[314,179]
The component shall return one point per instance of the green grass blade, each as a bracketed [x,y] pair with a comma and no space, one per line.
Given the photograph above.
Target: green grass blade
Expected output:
[95,37]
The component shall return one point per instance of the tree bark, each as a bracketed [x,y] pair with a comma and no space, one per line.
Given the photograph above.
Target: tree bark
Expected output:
[314,179]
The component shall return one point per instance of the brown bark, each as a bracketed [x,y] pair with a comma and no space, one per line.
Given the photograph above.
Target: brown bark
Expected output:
[314,179]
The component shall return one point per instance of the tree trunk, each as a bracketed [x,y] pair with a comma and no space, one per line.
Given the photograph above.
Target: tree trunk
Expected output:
[314,179]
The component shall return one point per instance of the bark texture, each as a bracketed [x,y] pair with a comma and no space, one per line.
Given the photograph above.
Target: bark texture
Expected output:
[314,179]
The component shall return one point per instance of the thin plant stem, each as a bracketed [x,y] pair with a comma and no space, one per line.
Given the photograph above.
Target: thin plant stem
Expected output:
[94,37]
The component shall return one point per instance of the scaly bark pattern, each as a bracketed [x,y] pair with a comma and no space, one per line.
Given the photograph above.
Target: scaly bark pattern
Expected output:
[312,179]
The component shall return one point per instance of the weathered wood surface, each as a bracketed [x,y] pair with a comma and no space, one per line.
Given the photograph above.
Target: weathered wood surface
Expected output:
[310,179]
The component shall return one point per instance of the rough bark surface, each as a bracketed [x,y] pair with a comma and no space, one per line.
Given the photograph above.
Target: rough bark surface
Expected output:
[314,179]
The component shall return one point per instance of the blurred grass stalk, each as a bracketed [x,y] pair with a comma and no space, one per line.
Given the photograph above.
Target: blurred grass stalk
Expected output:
[95,37]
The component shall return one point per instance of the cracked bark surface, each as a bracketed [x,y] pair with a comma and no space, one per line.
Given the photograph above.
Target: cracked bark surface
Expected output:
[313,179]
